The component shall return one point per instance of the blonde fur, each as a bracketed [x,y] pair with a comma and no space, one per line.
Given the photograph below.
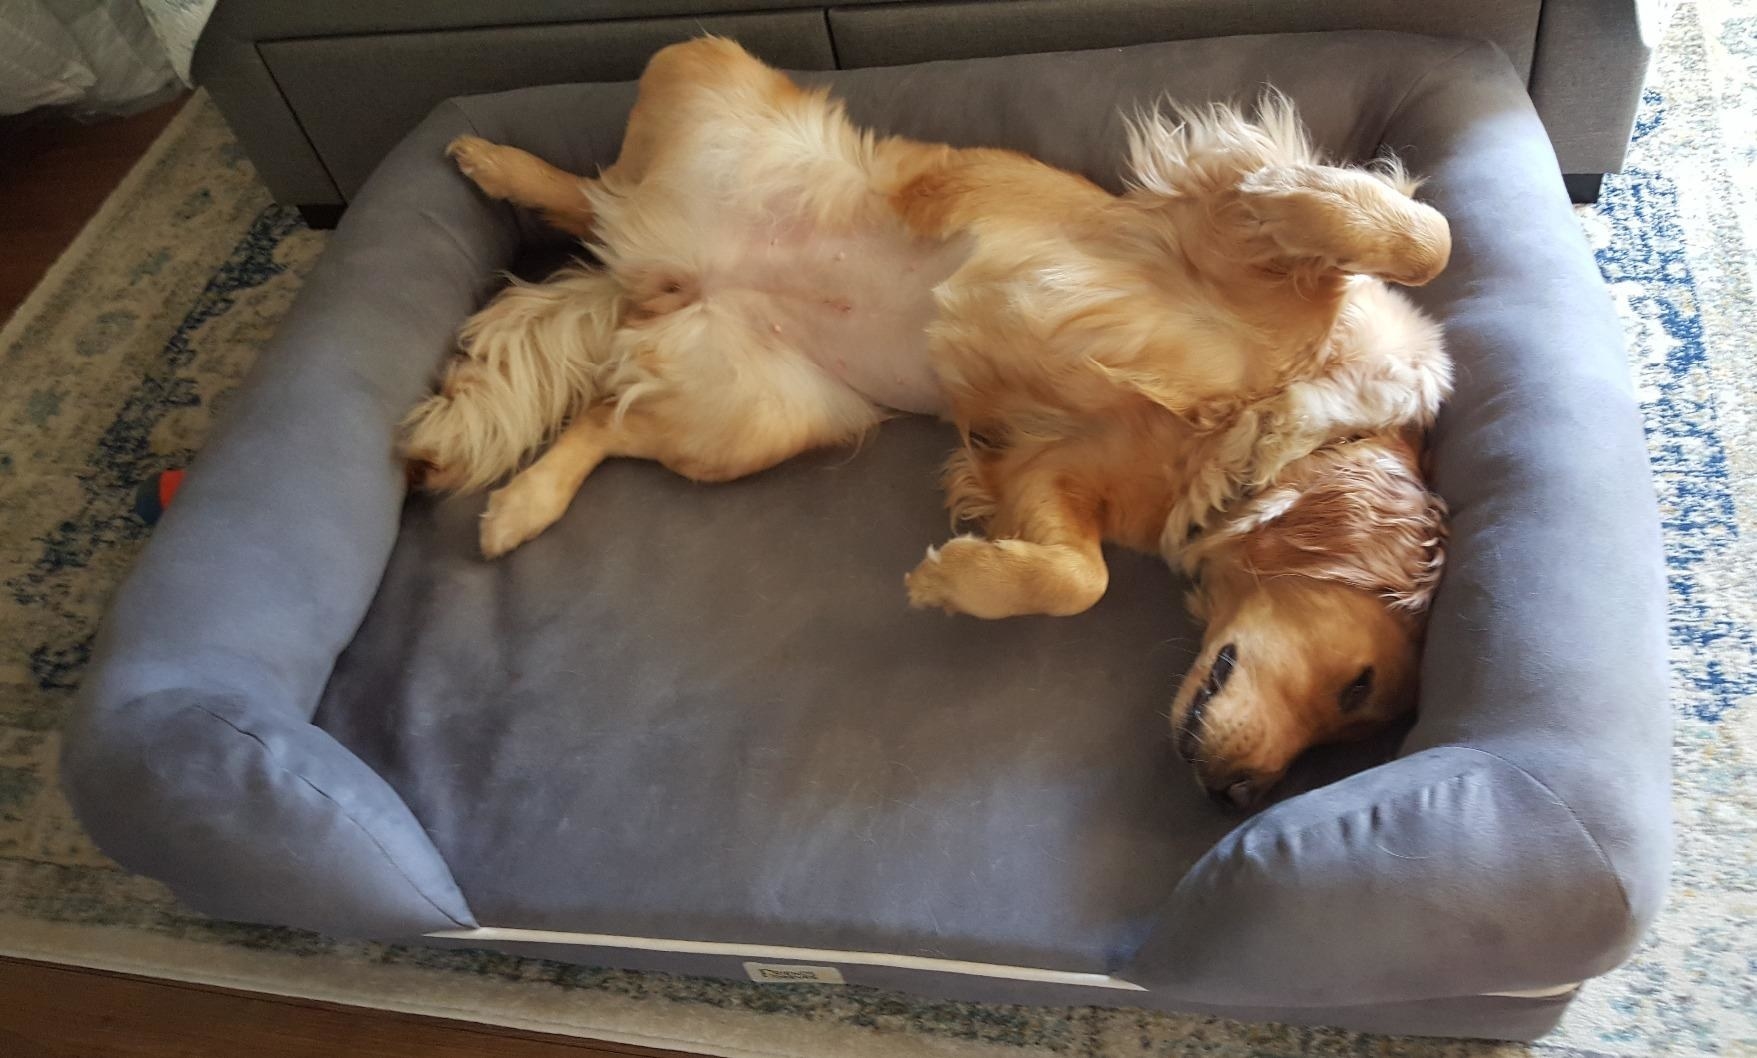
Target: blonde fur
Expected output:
[1179,150]
[529,362]
[1174,368]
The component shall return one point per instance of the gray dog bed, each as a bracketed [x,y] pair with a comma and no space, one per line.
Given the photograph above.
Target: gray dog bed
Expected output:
[697,729]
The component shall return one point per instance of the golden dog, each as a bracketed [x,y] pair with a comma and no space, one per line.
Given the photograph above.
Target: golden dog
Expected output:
[1209,367]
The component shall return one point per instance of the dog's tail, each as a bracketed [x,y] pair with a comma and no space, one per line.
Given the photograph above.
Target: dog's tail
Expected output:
[527,363]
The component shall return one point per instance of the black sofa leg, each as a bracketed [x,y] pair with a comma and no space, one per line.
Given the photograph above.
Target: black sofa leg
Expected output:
[1583,187]
[326,215]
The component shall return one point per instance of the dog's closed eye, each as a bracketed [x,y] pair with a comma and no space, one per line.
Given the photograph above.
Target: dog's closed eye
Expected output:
[1189,735]
[1224,662]
[1355,695]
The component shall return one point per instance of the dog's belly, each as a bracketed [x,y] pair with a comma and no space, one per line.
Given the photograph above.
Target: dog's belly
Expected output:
[857,303]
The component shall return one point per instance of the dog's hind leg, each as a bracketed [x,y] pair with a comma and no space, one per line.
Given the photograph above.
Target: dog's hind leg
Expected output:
[524,179]
[537,495]
[1045,555]
[527,362]
[1352,220]
[718,416]
[675,80]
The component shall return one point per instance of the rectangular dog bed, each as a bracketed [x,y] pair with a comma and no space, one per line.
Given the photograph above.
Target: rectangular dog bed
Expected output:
[696,729]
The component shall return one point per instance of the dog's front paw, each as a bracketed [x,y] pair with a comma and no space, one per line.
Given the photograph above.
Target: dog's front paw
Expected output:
[927,584]
[993,579]
[517,513]
[943,580]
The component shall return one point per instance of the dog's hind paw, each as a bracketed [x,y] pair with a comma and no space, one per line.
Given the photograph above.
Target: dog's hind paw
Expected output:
[1350,219]
[478,159]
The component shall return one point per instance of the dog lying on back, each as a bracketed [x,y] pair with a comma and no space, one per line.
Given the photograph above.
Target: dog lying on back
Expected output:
[1210,366]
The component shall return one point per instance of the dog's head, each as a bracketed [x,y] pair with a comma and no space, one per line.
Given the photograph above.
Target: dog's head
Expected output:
[1315,593]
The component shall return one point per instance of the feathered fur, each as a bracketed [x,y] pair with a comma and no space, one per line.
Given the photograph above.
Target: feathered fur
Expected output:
[1210,365]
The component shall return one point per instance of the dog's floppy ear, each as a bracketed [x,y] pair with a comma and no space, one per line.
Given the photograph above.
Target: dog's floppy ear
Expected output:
[1367,521]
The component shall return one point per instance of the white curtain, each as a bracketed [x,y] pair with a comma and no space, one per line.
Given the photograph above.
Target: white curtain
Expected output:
[95,56]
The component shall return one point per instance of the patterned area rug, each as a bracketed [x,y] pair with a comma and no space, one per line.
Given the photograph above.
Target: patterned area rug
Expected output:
[115,366]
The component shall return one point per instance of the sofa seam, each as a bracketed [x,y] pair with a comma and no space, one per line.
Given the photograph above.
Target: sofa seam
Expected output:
[511,211]
[1417,85]
[274,758]
[463,113]
[830,38]
[255,47]
[1399,795]
[1544,11]
[1243,840]
[1610,868]
[1604,858]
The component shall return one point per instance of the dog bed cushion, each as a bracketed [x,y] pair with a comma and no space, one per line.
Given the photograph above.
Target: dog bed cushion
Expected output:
[691,726]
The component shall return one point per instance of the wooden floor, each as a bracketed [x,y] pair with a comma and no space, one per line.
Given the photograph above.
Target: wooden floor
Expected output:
[53,176]
[65,1012]
[54,173]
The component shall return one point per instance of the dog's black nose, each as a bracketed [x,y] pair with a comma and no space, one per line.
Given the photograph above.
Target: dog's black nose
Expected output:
[1240,794]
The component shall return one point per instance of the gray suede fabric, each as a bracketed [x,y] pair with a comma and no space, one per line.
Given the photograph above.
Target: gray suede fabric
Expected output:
[193,759]
[319,91]
[705,712]
[722,692]
[403,74]
[896,34]
[1586,77]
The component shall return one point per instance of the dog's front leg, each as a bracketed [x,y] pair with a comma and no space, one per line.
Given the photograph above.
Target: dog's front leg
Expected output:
[1047,557]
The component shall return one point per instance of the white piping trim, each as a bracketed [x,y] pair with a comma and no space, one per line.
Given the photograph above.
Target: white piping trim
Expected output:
[1535,993]
[490,934]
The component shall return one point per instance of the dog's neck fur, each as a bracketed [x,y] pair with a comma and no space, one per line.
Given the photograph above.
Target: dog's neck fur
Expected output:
[1381,369]
[1356,511]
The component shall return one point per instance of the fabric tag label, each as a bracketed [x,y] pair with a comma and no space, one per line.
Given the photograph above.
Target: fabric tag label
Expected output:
[792,973]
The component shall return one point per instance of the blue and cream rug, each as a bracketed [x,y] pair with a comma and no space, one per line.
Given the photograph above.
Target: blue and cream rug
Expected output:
[115,366]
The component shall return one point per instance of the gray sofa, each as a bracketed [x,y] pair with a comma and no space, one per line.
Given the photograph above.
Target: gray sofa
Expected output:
[697,729]
[319,91]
